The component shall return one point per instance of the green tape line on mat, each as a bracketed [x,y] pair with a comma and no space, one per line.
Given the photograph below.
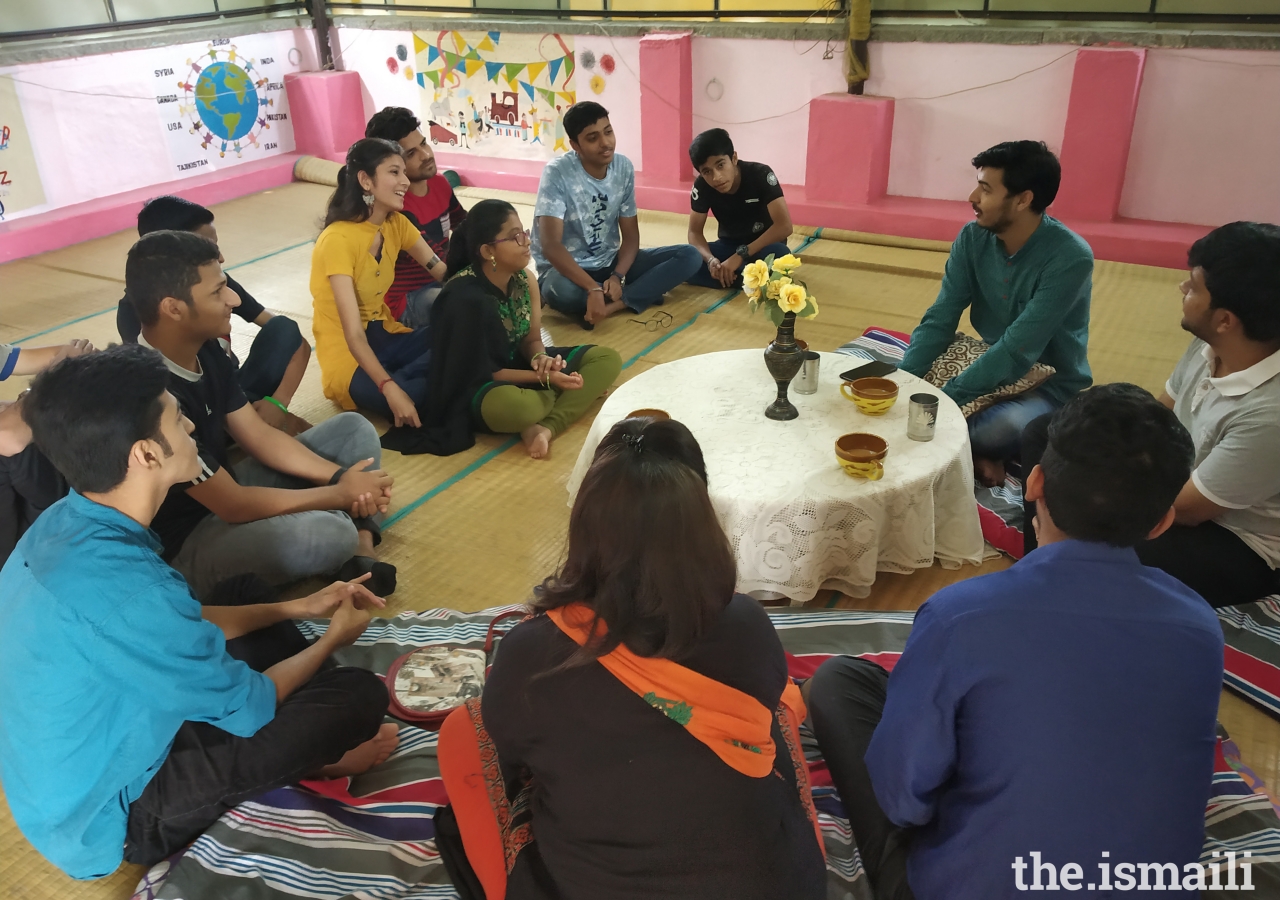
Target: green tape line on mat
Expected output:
[449,482]
[504,447]
[100,312]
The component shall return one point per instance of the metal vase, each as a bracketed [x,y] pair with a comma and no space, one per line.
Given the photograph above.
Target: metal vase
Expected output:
[783,358]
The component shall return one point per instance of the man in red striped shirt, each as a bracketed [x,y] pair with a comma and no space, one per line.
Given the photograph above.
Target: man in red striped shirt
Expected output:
[430,204]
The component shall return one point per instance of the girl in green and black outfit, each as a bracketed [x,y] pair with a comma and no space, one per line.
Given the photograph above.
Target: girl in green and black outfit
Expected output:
[489,369]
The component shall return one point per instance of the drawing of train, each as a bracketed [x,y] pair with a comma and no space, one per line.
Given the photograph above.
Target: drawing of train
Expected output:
[441,134]
[506,111]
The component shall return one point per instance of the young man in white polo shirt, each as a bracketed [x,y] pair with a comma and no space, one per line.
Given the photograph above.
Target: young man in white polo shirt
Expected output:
[1226,391]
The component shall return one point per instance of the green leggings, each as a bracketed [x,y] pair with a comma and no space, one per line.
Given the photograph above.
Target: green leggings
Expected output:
[510,409]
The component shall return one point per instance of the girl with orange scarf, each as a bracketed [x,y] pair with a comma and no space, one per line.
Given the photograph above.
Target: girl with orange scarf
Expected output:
[640,725]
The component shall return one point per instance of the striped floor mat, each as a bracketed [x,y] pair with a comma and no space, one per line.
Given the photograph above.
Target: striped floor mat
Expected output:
[372,837]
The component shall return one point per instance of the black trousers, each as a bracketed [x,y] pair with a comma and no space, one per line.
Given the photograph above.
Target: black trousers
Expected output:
[1211,560]
[846,701]
[209,771]
[29,484]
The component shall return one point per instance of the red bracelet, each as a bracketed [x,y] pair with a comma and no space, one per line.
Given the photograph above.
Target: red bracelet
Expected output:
[382,384]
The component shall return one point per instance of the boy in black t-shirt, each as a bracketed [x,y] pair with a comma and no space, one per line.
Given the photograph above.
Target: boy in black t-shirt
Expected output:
[298,506]
[747,201]
[278,358]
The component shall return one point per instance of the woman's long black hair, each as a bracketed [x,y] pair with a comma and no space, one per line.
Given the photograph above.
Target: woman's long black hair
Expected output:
[646,550]
[347,203]
[483,224]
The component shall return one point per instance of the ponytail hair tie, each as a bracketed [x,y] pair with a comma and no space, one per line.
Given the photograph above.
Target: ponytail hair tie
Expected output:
[634,441]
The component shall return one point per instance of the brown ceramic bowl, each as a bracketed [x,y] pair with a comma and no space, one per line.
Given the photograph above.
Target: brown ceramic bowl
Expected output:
[861,455]
[872,396]
[649,414]
[860,446]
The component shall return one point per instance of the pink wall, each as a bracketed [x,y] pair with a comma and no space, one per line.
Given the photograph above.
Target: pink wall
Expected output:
[1205,138]
[1206,141]
[769,80]
[934,139]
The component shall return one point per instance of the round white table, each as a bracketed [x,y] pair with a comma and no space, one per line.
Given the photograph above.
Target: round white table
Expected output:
[797,523]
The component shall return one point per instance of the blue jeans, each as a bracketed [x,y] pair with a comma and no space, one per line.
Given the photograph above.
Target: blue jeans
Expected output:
[272,351]
[288,547]
[654,272]
[722,250]
[407,359]
[417,305]
[996,432]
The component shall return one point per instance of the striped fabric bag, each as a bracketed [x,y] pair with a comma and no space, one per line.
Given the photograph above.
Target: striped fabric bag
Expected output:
[1252,631]
[372,837]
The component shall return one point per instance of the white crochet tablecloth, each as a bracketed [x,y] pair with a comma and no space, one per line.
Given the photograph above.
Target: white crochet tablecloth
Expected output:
[796,522]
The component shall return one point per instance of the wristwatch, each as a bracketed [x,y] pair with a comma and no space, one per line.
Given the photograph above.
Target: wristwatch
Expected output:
[744,252]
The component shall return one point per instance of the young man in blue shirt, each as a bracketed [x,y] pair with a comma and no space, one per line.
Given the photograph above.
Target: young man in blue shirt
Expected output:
[751,213]
[128,721]
[586,235]
[1003,729]
[1027,280]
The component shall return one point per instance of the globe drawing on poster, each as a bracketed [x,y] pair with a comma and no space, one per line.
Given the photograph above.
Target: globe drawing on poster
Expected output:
[226,101]
[222,105]
[491,93]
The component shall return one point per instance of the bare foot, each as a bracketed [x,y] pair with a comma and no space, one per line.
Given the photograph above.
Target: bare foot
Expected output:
[537,440]
[361,759]
[989,472]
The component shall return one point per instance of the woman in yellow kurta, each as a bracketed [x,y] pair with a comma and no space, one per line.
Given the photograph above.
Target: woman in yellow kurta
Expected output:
[367,359]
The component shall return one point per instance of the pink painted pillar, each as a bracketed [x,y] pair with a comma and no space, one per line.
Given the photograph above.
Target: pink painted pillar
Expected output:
[849,142]
[666,106]
[327,110]
[1095,144]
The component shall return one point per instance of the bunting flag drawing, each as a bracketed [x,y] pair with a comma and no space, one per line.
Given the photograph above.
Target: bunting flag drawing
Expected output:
[491,93]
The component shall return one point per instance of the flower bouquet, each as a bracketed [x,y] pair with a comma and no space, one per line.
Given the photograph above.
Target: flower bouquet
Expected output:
[771,283]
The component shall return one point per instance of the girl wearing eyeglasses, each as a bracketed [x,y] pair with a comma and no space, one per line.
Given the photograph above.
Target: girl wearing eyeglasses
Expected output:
[490,370]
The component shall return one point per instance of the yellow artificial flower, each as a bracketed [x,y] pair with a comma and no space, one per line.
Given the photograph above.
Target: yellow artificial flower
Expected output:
[754,275]
[792,298]
[786,264]
[773,287]
[813,307]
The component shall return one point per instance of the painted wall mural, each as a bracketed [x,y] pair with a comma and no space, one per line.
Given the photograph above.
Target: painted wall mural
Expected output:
[226,102]
[20,186]
[496,94]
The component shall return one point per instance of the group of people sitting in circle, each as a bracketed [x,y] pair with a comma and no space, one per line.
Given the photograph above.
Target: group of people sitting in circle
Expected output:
[642,719]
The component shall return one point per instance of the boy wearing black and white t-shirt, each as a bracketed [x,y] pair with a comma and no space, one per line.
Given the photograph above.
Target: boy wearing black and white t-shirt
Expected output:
[746,200]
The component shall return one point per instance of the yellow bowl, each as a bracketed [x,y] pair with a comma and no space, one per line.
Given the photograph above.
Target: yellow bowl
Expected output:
[872,396]
[861,455]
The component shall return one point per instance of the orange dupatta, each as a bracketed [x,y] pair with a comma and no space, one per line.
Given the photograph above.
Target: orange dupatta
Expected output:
[734,725]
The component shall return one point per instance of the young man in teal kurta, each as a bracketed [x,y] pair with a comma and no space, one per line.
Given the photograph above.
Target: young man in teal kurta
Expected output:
[1027,280]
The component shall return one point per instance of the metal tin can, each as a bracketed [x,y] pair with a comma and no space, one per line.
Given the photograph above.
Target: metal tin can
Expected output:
[807,381]
[922,417]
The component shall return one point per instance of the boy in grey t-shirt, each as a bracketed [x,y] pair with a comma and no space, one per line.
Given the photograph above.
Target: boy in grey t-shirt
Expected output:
[1226,392]
[586,235]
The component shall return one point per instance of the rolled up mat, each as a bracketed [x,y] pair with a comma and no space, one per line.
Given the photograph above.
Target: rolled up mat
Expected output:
[324,171]
[316,170]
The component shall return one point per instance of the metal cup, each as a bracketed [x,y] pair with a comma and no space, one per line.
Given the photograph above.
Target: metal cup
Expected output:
[807,381]
[922,417]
